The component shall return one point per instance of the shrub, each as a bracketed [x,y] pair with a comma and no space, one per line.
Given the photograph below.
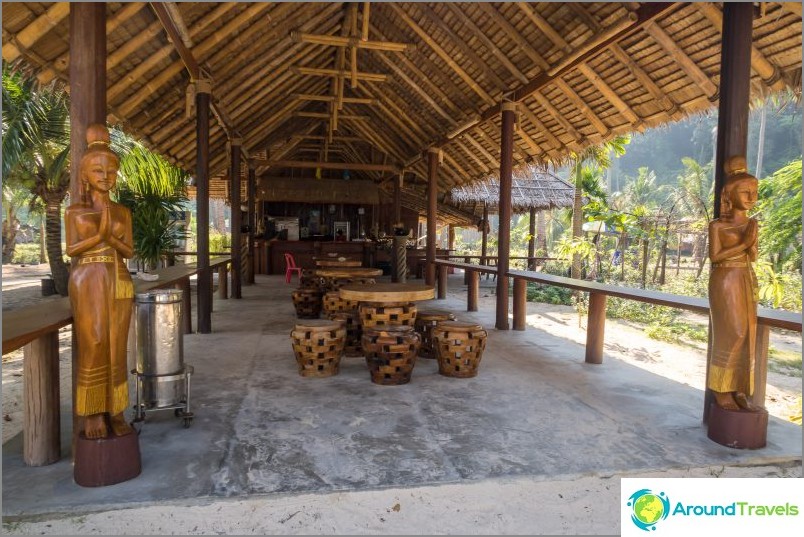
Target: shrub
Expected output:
[27,254]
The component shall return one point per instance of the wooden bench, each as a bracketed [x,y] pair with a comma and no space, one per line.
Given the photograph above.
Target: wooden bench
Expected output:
[36,329]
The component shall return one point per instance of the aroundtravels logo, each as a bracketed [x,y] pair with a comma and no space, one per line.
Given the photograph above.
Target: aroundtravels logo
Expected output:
[648,508]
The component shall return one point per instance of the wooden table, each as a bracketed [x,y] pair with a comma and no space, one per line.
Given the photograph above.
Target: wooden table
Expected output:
[348,272]
[387,304]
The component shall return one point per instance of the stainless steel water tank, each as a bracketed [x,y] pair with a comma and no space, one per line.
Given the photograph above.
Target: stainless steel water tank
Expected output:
[160,347]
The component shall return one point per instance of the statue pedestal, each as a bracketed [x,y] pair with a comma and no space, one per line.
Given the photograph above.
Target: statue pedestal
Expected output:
[738,429]
[106,461]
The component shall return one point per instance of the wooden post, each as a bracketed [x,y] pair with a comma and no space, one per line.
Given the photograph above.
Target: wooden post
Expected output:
[735,76]
[761,364]
[504,234]
[202,97]
[473,291]
[595,328]
[520,303]
[397,202]
[87,80]
[442,282]
[450,244]
[532,239]
[484,235]
[466,272]
[252,221]
[223,282]
[186,305]
[237,239]
[433,155]
[41,422]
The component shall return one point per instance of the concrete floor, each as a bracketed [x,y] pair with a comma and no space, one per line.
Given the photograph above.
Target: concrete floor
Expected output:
[535,410]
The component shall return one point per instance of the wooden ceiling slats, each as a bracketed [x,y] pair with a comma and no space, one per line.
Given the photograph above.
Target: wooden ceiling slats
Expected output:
[26,38]
[468,80]
[472,155]
[470,137]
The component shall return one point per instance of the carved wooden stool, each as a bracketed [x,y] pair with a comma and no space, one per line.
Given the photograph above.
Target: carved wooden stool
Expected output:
[459,347]
[425,322]
[318,346]
[390,353]
[333,303]
[333,284]
[307,303]
[351,321]
[309,280]
[373,314]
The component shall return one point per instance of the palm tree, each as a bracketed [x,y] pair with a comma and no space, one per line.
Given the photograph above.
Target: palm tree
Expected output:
[36,151]
[601,156]
[696,192]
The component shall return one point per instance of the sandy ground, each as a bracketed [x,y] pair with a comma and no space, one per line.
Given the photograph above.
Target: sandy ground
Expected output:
[574,505]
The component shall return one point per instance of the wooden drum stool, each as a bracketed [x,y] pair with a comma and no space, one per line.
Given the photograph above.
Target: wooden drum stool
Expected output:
[318,346]
[459,348]
[425,322]
[390,353]
[374,314]
[333,303]
[307,303]
[309,280]
[333,284]
[351,321]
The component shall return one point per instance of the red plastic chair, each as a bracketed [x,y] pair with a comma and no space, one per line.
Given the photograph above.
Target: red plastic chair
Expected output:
[290,268]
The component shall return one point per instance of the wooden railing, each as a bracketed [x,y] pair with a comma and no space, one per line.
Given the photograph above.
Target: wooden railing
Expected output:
[596,318]
[35,329]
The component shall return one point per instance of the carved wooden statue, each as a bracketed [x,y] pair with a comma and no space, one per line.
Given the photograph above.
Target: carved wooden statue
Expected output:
[99,237]
[733,291]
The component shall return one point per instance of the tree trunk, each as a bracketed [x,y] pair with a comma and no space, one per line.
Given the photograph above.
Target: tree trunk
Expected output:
[761,141]
[645,260]
[663,273]
[9,237]
[577,220]
[58,268]
[623,249]
[541,233]
[702,260]
[42,246]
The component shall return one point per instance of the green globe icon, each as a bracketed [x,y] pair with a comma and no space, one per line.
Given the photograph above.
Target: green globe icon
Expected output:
[648,509]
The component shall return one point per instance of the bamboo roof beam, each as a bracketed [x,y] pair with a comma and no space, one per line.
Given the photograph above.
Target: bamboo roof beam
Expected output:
[483,151]
[221,34]
[61,63]
[466,21]
[619,54]
[553,111]
[465,49]
[686,63]
[474,157]
[424,79]
[339,73]
[769,73]
[28,36]
[603,87]
[399,106]
[340,41]
[581,104]
[530,142]
[396,116]
[351,166]
[446,57]
[318,137]
[151,61]
[331,98]
[496,145]
[541,127]
[323,115]
[378,140]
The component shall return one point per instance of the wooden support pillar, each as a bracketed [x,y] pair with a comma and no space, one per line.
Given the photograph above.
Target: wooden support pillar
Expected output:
[532,239]
[735,76]
[474,290]
[252,222]
[397,202]
[87,80]
[520,303]
[186,305]
[450,244]
[442,282]
[41,427]
[223,282]
[466,260]
[434,155]
[237,240]
[504,234]
[595,328]
[202,98]
[484,240]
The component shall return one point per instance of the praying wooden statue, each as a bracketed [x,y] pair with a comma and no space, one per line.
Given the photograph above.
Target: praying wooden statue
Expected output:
[733,291]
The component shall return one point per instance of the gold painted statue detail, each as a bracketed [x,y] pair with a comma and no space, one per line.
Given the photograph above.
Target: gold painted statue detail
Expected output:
[733,291]
[99,238]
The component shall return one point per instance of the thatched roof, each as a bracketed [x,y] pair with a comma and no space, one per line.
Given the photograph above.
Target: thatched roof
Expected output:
[582,73]
[531,189]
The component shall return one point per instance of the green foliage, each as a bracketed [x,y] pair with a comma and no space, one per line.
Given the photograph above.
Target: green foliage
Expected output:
[218,242]
[152,189]
[26,254]
[549,294]
[780,210]
[776,289]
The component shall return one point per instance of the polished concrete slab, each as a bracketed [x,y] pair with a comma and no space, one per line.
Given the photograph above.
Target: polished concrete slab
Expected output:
[535,410]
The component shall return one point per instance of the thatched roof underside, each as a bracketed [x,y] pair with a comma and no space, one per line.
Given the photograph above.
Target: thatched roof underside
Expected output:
[581,72]
[530,190]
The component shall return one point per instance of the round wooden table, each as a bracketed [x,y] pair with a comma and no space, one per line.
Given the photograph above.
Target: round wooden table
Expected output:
[348,272]
[387,304]
[338,263]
